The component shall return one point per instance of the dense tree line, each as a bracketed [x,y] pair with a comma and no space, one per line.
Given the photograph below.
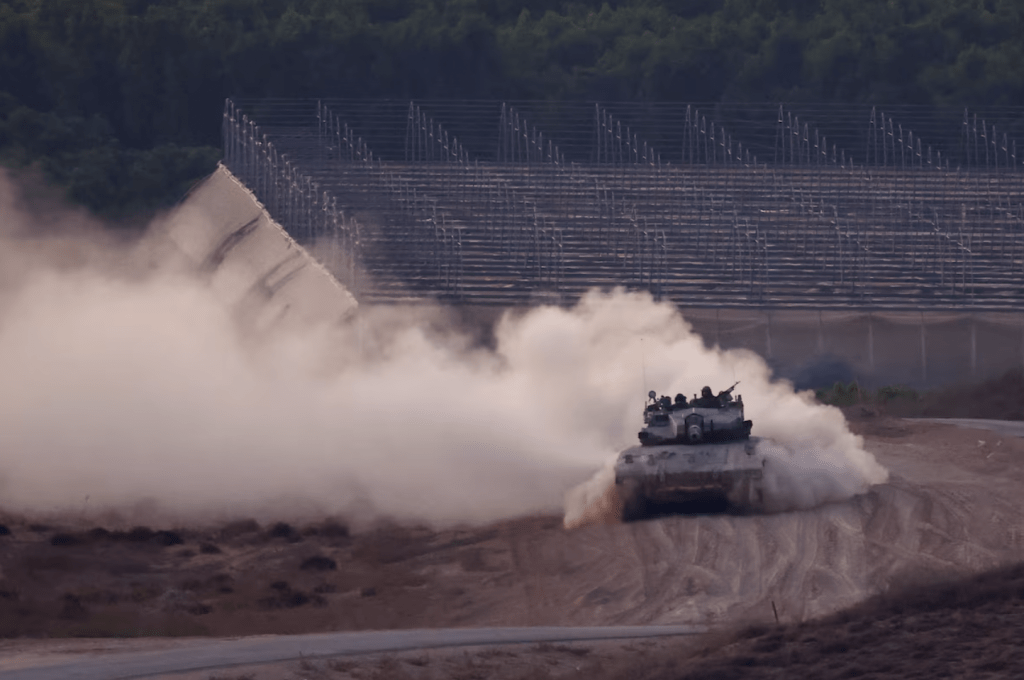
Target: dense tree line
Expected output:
[120,100]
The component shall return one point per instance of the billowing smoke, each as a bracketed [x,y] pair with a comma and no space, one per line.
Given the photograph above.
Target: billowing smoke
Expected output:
[129,388]
[813,456]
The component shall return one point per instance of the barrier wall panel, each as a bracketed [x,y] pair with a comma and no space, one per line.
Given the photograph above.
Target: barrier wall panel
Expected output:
[873,348]
[849,338]
[796,338]
[897,355]
[743,328]
[704,322]
[999,344]
[948,344]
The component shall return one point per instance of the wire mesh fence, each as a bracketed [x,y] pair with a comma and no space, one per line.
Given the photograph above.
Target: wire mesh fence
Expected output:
[719,205]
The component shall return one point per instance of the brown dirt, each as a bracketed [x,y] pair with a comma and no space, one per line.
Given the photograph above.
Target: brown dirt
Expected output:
[952,508]
[956,629]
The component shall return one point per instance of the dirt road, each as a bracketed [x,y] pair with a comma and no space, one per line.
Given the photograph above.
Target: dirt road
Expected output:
[192,655]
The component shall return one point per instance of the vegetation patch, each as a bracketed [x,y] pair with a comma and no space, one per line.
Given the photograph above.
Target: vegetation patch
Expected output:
[318,563]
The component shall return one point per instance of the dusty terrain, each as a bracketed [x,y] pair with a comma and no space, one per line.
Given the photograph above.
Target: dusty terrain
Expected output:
[951,508]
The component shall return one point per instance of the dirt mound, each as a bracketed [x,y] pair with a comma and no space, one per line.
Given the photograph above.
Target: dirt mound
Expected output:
[964,629]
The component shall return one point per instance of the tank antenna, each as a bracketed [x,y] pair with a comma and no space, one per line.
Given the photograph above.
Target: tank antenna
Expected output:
[643,367]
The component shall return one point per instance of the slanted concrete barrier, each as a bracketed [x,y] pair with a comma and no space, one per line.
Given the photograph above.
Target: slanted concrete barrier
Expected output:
[252,263]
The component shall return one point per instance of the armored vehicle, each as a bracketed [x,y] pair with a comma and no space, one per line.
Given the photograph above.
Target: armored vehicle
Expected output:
[696,453]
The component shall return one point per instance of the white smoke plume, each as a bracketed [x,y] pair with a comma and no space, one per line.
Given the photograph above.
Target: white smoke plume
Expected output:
[128,387]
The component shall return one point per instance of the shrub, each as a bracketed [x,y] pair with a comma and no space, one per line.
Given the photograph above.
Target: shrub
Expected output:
[140,534]
[896,392]
[841,395]
[239,528]
[168,538]
[332,529]
[318,563]
[64,540]
[284,530]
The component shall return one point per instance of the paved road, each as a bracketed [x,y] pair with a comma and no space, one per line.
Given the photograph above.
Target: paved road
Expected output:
[197,655]
[1009,428]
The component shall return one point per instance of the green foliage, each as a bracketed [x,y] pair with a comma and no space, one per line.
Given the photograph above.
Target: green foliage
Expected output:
[841,395]
[892,393]
[119,96]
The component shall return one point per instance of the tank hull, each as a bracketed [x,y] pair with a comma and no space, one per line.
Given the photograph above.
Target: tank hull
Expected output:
[712,475]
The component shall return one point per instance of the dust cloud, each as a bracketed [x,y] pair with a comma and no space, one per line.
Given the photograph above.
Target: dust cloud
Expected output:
[129,393]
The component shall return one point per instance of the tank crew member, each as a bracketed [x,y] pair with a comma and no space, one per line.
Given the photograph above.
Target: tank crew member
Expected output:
[680,403]
[707,399]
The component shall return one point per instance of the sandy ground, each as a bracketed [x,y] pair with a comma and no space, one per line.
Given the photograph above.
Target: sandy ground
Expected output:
[952,507]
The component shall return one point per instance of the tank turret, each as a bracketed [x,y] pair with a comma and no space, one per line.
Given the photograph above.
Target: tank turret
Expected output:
[708,418]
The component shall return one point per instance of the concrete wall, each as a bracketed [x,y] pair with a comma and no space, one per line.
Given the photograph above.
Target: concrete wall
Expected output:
[272,281]
[919,349]
[252,263]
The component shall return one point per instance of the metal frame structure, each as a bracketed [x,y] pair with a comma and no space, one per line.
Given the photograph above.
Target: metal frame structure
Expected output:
[719,206]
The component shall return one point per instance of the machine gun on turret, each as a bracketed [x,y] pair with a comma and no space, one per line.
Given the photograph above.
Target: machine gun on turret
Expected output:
[725,396]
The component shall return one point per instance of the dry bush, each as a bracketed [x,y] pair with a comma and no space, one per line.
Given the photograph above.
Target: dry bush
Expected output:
[285,597]
[284,530]
[218,583]
[333,529]
[223,583]
[94,595]
[318,563]
[5,530]
[140,534]
[342,665]
[496,653]
[143,592]
[72,607]
[65,540]
[167,538]
[239,528]
[389,668]
[419,661]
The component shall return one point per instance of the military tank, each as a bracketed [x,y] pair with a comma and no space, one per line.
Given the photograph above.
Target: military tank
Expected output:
[696,453]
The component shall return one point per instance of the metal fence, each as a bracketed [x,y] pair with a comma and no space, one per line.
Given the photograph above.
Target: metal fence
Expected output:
[716,206]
